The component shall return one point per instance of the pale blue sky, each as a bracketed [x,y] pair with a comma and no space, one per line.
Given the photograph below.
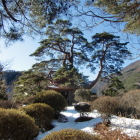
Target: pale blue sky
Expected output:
[19,52]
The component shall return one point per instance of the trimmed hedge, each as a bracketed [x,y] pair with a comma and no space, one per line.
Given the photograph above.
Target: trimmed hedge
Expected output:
[42,113]
[16,125]
[70,134]
[53,99]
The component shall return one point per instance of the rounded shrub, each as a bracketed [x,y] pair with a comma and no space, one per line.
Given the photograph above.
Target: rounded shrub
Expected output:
[129,104]
[70,134]
[105,105]
[53,99]
[131,98]
[16,125]
[42,113]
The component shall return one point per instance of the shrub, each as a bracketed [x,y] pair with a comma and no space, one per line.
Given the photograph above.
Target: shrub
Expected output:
[7,104]
[129,104]
[53,99]
[82,95]
[29,100]
[16,125]
[105,105]
[131,98]
[70,134]
[42,113]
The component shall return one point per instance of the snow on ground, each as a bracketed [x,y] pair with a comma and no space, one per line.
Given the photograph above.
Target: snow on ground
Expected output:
[129,126]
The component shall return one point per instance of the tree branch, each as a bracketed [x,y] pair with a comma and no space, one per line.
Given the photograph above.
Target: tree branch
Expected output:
[7,11]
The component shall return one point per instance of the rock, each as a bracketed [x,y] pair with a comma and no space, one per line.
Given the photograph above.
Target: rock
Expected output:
[82,107]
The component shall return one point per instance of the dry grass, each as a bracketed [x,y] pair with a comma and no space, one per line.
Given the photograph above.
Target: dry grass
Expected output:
[105,133]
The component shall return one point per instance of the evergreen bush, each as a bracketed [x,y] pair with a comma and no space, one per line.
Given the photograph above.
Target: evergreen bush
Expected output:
[42,113]
[15,125]
[70,134]
[53,99]
[7,104]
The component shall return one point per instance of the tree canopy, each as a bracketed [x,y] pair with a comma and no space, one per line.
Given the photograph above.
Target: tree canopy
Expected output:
[20,17]
[109,55]
[66,46]
[126,11]
[121,14]
[30,17]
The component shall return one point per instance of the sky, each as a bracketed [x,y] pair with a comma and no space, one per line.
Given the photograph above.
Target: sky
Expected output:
[18,53]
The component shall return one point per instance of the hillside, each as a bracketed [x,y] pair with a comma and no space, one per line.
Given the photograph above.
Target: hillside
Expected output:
[11,76]
[132,68]
[130,78]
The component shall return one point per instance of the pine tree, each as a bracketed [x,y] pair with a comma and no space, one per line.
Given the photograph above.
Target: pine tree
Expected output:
[29,17]
[115,87]
[30,82]
[66,46]
[123,11]
[109,55]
